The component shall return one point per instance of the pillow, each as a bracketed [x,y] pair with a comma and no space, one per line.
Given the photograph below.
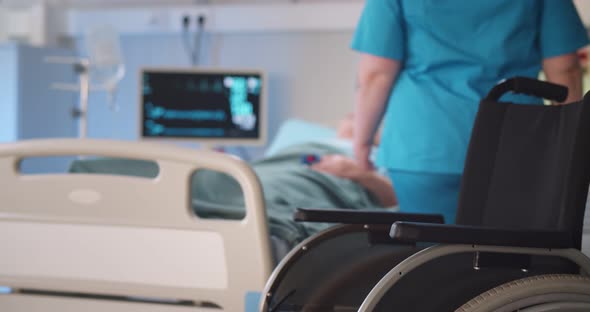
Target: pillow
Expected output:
[295,131]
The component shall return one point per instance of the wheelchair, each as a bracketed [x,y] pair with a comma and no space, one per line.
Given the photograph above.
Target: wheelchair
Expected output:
[516,244]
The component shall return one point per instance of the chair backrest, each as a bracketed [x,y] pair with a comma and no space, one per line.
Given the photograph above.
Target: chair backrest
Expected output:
[527,166]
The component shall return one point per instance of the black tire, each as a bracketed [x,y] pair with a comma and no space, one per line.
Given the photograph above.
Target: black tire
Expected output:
[536,291]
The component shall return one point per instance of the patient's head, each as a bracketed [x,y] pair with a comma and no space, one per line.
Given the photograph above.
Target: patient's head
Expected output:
[346,129]
[345,126]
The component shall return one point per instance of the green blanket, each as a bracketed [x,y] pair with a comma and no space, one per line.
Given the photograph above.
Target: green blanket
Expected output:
[287,185]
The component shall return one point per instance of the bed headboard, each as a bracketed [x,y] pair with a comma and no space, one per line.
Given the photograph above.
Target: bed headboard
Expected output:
[128,236]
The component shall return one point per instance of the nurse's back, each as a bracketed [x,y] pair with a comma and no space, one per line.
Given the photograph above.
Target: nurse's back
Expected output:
[453,52]
[478,40]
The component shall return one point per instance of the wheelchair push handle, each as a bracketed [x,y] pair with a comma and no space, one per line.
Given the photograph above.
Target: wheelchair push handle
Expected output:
[529,86]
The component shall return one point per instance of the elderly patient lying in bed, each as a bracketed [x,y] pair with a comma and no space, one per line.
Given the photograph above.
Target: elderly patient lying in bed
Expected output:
[333,182]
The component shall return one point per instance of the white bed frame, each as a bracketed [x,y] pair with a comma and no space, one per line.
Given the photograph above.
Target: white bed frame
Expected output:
[125,243]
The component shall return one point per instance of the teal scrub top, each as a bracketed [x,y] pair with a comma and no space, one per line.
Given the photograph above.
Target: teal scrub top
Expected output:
[453,52]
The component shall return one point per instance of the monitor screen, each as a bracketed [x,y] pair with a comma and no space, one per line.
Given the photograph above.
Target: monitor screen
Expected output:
[218,106]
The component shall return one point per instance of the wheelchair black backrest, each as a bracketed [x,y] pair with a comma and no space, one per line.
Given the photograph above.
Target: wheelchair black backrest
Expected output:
[527,166]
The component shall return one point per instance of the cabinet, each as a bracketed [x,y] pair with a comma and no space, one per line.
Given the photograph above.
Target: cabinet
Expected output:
[29,107]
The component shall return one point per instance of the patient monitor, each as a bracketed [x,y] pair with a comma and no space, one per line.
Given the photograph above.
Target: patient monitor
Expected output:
[206,106]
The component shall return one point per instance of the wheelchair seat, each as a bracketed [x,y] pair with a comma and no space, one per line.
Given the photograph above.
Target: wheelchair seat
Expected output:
[519,222]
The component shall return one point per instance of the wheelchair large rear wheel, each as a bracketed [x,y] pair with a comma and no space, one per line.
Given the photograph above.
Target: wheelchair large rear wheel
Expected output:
[542,293]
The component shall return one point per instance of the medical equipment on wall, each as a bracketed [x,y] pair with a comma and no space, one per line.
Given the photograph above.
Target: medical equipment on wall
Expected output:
[101,70]
[193,43]
[207,106]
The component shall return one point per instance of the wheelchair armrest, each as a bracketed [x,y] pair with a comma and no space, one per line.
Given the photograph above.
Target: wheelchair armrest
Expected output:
[348,216]
[472,235]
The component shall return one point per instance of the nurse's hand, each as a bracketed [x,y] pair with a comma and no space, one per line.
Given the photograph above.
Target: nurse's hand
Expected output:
[347,168]
[567,71]
[362,154]
[340,166]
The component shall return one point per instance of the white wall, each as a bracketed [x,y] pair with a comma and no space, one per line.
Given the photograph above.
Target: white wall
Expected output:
[313,71]
[235,18]
[311,75]
[137,3]
[584,10]
[14,23]
[310,66]
[38,24]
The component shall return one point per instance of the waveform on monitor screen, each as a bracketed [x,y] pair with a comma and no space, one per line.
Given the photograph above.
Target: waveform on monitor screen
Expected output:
[158,112]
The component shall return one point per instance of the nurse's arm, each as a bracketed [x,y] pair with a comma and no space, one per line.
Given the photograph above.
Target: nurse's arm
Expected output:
[376,76]
[565,70]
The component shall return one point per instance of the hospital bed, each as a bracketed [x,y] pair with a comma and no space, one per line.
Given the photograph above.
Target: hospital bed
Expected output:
[87,242]
[126,231]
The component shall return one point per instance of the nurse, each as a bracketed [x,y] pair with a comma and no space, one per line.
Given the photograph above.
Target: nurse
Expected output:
[426,64]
